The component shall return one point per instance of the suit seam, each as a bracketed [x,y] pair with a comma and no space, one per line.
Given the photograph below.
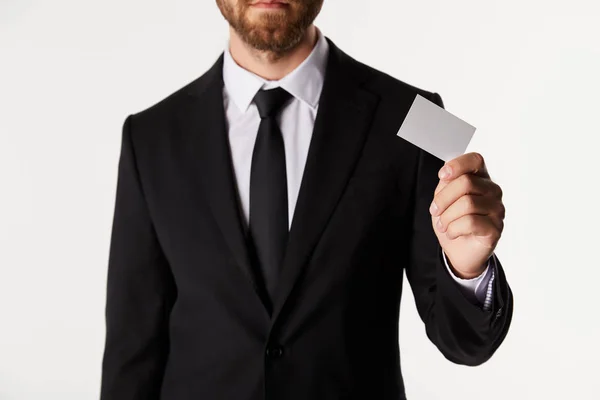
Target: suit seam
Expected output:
[138,179]
[138,176]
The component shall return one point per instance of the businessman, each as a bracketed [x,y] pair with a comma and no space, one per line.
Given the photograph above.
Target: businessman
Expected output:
[265,214]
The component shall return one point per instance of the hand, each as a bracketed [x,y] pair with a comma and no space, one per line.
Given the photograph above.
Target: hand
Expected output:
[468,206]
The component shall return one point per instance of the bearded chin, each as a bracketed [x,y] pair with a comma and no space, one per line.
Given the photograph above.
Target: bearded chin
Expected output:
[276,33]
[273,37]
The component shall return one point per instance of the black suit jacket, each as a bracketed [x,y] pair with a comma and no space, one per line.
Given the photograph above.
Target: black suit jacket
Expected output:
[186,315]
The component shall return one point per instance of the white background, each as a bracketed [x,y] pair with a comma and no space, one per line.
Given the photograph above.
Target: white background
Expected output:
[525,73]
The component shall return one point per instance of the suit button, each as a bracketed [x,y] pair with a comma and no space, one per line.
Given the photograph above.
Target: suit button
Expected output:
[275,352]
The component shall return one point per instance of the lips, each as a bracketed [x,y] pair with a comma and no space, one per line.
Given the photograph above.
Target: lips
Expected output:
[269,3]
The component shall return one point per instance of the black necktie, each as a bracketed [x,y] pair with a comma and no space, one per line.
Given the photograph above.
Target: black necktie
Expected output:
[268,188]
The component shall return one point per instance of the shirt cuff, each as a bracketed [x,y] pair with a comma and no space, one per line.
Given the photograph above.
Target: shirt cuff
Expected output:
[479,288]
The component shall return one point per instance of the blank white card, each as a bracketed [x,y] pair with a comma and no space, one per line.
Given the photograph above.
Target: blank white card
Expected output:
[435,130]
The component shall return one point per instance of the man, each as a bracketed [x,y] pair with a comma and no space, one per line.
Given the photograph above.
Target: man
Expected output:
[264,216]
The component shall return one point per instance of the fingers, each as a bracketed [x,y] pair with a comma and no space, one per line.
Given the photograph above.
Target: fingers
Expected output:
[478,225]
[449,192]
[467,201]
[470,163]
[472,205]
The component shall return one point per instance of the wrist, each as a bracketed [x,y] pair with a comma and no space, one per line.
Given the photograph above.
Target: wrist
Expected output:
[466,274]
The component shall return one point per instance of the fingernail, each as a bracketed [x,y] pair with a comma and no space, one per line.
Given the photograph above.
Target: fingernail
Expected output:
[433,208]
[445,172]
[439,223]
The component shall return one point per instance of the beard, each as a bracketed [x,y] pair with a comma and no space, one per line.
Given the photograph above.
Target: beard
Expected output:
[276,31]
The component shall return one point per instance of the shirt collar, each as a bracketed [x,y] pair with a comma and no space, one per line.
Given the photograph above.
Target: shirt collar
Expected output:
[305,82]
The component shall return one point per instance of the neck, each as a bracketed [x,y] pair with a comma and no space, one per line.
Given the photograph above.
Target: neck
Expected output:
[268,65]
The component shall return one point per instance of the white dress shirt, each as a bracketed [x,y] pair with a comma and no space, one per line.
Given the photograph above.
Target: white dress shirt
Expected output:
[296,121]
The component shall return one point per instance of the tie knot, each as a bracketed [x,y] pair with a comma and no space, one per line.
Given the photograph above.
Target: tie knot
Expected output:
[270,101]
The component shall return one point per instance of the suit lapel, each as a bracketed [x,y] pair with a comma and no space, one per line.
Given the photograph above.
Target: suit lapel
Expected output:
[207,151]
[342,122]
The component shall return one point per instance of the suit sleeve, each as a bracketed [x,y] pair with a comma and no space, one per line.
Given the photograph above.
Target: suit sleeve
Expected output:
[140,292]
[463,332]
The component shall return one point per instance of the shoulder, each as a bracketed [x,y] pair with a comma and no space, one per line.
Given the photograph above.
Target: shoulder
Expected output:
[382,83]
[388,86]
[164,110]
